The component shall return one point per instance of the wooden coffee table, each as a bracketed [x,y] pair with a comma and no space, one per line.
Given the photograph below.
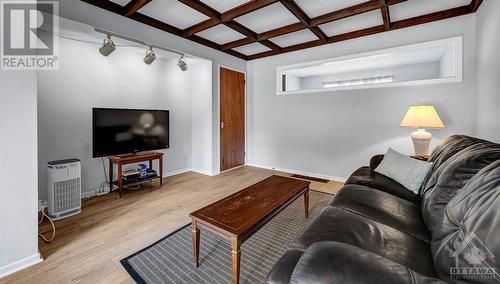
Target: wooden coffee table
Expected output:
[238,216]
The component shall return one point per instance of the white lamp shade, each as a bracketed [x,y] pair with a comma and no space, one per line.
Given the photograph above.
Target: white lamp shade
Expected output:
[422,117]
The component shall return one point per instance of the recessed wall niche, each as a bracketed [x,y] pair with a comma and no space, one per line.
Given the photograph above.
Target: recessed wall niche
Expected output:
[431,62]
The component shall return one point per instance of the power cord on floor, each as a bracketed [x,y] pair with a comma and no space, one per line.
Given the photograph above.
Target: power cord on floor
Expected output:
[41,208]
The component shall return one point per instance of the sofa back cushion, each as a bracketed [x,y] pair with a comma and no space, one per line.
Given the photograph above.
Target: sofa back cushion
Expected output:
[468,237]
[453,173]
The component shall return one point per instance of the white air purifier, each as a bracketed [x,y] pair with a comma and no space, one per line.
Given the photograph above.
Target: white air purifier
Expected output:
[64,188]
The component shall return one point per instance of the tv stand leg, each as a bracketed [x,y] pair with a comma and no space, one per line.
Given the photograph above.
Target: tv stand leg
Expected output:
[161,170]
[120,180]
[111,165]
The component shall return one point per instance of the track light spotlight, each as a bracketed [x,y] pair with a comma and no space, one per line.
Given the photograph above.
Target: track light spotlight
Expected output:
[150,56]
[182,63]
[108,46]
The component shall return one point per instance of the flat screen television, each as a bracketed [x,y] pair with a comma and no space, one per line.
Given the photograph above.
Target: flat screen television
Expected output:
[126,131]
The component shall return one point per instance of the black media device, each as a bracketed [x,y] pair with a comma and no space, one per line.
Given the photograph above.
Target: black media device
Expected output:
[126,131]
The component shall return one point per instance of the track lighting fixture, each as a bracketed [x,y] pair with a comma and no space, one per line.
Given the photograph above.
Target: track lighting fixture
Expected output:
[108,46]
[150,56]
[182,63]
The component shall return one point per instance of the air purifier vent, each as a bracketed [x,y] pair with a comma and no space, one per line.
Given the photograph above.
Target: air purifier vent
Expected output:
[64,188]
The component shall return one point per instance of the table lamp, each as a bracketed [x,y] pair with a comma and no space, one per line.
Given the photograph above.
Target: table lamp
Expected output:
[422,117]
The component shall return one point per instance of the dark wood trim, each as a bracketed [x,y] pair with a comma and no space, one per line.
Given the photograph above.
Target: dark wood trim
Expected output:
[227,18]
[303,18]
[205,25]
[385,14]
[475,4]
[202,8]
[246,8]
[134,6]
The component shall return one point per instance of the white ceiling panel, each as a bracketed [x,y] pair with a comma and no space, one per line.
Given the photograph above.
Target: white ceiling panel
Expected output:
[354,23]
[252,48]
[413,8]
[224,5]
[121,2]
[294,38]
[268,18]
[221,34]
[173,12]
[315,8]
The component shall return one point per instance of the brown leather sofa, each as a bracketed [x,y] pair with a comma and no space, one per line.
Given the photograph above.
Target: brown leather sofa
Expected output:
[376,231]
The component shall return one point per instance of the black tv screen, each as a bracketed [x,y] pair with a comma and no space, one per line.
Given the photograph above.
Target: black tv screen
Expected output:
[125,131]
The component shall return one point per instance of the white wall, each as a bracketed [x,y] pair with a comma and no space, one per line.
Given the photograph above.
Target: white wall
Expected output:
[87,79]
[331,134]
[488,70]
[18,172]
[86,13]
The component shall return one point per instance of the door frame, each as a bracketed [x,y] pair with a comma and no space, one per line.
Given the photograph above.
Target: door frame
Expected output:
[219,66]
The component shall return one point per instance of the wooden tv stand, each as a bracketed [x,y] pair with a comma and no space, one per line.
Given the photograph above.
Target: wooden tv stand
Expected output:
[120,161]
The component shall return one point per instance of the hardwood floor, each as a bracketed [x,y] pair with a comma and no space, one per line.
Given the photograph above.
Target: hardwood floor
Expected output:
[88,247]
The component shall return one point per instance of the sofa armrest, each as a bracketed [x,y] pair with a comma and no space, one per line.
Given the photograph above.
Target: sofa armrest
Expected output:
[335,262]
[375,161]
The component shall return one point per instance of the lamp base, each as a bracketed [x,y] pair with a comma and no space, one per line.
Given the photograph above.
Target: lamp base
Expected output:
[421,142]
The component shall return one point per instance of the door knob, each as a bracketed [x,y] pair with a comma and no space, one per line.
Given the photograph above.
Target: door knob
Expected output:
[222,124]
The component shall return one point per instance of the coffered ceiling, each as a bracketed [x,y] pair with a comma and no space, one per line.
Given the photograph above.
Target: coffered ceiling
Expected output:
[260,28]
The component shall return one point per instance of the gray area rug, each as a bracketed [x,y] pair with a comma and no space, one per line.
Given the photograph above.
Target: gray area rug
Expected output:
[170,260]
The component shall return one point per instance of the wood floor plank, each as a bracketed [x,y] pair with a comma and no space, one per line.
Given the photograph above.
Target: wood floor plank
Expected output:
[88,247]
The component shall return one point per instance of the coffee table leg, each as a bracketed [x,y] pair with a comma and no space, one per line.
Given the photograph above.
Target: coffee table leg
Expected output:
[235,258]
[306,203]
[196,242]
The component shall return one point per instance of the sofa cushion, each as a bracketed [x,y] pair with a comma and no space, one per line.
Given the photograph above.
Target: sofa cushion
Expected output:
[470,227]
[447,180]
[282,270]
[367,177]
[333,262]
[405,170]
[384,208]
[341,225]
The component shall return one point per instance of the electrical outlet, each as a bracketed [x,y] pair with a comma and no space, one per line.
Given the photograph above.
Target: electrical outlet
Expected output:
[42,204]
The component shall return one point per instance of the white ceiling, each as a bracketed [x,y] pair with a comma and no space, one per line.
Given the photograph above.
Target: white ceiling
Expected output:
[276,15]
[383,60]
[221,34]
[174,13]
[314,8]
[294,38]
[253,48]
[224,5]
[268,18]
[414,8]
[354,23]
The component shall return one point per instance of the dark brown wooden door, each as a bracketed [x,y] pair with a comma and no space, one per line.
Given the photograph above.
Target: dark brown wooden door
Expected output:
[232,119]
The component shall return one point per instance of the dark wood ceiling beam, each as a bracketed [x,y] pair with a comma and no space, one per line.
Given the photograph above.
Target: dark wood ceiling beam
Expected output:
[134,6]
[202,8]
[303,18]
[250,34]
[236,43]
[384,9]
[475,4]
[141,18]
[246,8]
[352,11]
[281,31]
[205,25]
[441,15]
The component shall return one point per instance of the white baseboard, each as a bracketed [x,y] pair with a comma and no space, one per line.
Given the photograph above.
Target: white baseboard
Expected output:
[20,264]
[178,172]
[299,172]
[203,172]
